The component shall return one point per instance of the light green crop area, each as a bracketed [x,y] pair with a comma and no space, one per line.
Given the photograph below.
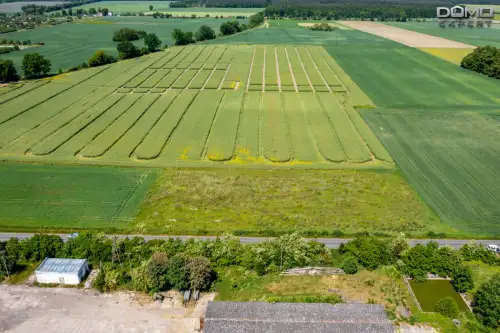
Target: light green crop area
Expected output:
[166,109]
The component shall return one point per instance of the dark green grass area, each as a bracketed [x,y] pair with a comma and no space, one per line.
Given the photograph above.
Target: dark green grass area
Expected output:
[473,36]
[266,202]
[68,45]
[429,292]
[47,197]
[451,159]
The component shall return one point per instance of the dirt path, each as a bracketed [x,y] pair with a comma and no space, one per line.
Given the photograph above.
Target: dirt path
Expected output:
[406,37]
[277,68]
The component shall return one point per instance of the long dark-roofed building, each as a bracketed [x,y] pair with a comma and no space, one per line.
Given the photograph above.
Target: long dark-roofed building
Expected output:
[257,317]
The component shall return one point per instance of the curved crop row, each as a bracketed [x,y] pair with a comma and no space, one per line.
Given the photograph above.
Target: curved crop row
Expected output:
[371,140]
[222,139]
[275,138]
[189,138]
[152,145]
[354,148]
[127,144]
[56,139]
[326,140]
[105,140]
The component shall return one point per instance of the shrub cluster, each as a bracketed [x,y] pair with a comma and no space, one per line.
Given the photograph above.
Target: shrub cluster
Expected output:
[322,27]
[484,60]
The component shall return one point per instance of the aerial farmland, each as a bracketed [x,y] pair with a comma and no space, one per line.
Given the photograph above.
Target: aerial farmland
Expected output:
[346,131]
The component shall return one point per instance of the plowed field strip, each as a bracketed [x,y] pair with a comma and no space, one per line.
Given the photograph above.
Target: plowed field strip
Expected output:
[275,138]
[354,148]
[39,133]
[65,133]
[153,143]
[302,142]
[222,140]
[189,138]
[145,125]
[105,140]
[248,143]
[324,135]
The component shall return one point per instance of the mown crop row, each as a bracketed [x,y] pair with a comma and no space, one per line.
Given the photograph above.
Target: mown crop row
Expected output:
[271,75]
[284,69]
[275,134]
[248,143]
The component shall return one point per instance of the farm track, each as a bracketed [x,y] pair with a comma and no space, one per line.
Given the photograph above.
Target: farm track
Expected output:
[188,104]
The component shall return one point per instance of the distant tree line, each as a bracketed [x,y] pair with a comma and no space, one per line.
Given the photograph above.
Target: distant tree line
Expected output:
[484,60]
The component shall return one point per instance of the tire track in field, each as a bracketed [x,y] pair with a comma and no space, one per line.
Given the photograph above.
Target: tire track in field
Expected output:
[129,196]
[291,71]
[304,69]
[317,69]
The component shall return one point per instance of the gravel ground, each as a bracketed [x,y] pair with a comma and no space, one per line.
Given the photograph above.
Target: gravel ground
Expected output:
[53,310]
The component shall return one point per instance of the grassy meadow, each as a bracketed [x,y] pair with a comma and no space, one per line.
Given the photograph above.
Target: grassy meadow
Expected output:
[50,197]
[266,202]
[68,45]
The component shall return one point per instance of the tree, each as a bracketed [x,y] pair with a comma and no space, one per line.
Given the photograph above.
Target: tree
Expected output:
[227,29]
[35,65]
[127,50]
[349,265]
[484,60]
[150,8]
[100,58]
[462,279]
[181,37]
[8,71]
[152,42]
[447,307]
[205,33]
[156,272]
[487,304]
[200,273]
[256,19]
[126,34]
[105,11]
[177,271]
[92,11]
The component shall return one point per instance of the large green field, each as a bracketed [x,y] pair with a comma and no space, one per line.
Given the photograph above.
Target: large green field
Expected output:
[50,197]
[473,36]
[68,45]
[195,106]
[13,7]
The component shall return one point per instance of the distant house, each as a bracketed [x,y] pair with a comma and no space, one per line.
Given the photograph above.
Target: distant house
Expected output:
[110,14]
[257,317]
[62,271]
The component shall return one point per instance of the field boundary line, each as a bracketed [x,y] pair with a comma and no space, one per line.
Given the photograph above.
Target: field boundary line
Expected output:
[331,70]
[178,78]
[156,122]
[291,148]
[176,125]
[107,126]
[261,107]
[277,68]
[51,97]
[331,125]
[26,134]
[372,156]
[317,69]
[304,69]
[130,195]
[209,77]
[251,68]
[411,292]
[224,78]
[207,138]
[264,70]
[291,71]
[194,77]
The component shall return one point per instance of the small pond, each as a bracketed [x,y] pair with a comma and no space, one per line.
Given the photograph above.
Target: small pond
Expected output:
[431,291]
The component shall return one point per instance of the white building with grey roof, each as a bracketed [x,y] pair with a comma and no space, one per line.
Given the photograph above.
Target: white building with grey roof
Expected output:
[62,271]
[257,317]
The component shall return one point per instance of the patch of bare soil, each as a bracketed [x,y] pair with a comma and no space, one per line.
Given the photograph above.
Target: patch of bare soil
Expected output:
[406,37]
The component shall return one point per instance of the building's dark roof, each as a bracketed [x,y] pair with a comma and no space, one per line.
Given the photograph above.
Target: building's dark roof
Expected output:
[256,317]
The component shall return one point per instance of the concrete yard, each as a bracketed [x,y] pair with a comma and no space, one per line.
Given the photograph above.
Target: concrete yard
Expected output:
[52,310]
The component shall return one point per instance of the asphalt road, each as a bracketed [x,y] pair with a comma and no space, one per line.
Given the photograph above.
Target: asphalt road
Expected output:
[329,242]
